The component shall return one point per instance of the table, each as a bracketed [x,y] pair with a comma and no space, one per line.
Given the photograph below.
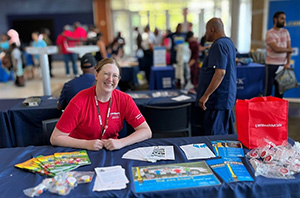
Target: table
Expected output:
[6,136]
[250,80]
[166,101]
[162,78]
[22,126]
[129,77]
[163,101]
[14,181]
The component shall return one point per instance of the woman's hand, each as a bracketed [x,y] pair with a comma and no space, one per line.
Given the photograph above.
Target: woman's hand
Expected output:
[94,145]
[112,144]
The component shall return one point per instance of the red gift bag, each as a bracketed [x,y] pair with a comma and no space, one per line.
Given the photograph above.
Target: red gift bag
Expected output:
[262,117]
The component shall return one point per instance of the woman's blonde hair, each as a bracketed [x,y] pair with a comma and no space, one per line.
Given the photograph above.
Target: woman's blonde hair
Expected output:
[105,61]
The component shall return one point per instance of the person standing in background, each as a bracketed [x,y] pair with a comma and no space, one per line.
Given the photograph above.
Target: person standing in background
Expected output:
[46,37]
[62,42]
[79,34]
[37,41]
[101,54]
[148,48]
[216,92]
[193,62]
[16,60]
[4,45]
[278,52]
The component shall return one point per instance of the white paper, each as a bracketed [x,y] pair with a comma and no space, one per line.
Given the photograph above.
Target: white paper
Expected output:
[110,178]
[197,151]
[181,98]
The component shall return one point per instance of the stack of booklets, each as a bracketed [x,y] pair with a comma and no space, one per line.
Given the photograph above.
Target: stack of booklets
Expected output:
[229,167]
[57,163]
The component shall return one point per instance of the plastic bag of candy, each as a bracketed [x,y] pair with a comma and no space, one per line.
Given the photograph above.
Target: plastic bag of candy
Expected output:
[61,184]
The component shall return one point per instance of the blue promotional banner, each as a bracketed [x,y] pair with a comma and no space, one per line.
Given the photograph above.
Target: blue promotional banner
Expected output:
[291,9]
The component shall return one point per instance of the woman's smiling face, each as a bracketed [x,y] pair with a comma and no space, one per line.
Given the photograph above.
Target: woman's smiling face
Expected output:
[108,77]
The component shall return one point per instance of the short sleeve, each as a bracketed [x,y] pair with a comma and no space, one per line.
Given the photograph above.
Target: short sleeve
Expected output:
[219,55]
[270,37]
[70,117]
[132,113]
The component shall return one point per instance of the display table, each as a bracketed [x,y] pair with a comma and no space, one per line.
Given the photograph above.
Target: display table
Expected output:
[22,126]
[162,101]
[14,181]
[7,139]
[162,78]
[250,80]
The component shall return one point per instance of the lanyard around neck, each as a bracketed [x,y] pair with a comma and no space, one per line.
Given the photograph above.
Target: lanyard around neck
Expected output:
[103,128]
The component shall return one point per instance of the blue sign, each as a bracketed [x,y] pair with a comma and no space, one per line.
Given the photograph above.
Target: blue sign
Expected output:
[291,9]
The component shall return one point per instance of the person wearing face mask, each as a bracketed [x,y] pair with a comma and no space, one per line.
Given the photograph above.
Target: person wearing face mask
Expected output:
[94,117]
[278,52]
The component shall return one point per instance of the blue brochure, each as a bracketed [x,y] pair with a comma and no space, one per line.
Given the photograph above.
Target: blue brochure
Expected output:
[230,169]
[228,148]
[221,169]
[173,176]
[238,170]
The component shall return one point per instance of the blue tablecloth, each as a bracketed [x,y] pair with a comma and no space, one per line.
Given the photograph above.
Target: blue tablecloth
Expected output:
[163,101]
[250,80]
[129,74]
[162,78]
[22,126]
[14,181]
[7,138]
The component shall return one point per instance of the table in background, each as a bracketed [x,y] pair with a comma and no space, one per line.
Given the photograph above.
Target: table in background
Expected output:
[22,126]
[162,100]
[7,139]
[167,101]
[250,80]
[14,181]
[162,78]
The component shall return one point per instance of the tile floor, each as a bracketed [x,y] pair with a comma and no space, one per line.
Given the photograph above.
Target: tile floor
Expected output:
[34,87]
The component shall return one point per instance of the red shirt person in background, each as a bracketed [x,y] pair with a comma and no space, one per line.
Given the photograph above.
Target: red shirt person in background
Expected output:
[79,33]
[63,43]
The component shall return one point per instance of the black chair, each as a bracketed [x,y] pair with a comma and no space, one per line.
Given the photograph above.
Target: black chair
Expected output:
[48,127]
[169,121]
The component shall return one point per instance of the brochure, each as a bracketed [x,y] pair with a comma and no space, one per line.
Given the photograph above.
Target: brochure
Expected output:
[71,158]
[228,148]
[221,169]
[230,169]
[197,151]
[33,165]
[173,176]
[58,162]
[151,154]
[237,169]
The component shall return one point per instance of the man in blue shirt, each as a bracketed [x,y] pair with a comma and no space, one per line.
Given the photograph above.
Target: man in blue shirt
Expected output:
[217,82]
[86,80]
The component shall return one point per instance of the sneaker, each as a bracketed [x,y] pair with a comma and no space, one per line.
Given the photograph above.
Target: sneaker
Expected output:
[68,75]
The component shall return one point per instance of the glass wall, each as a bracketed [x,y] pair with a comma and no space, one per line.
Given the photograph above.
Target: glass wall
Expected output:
[166,14]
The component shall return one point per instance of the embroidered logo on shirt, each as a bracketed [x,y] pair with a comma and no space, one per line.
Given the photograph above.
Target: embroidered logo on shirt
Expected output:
[138,116]
[115,115]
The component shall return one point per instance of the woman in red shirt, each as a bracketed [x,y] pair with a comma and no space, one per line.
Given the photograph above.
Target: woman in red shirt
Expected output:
[94,117]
